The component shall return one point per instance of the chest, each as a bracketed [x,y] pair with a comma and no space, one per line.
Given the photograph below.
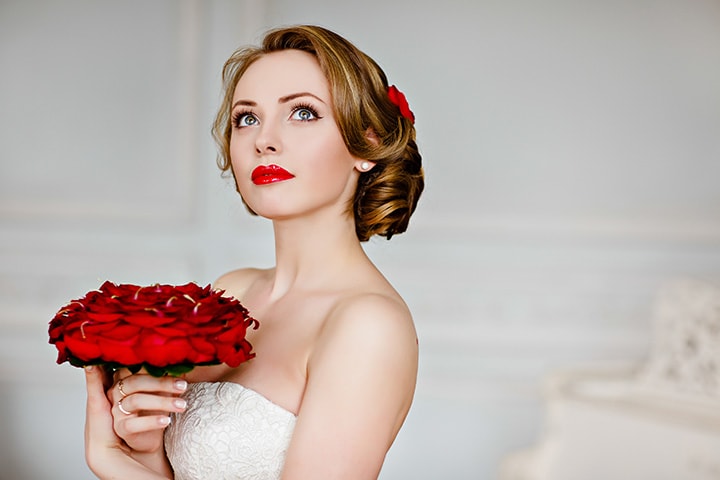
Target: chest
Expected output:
[228,431]
[283,343]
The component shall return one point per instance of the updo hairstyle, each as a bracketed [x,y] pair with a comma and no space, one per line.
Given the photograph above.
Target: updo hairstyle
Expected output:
[386,195]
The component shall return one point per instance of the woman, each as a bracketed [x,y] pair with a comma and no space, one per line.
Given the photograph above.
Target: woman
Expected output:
[317,143]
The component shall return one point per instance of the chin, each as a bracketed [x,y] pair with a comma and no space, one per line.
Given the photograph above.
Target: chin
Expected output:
[273,212]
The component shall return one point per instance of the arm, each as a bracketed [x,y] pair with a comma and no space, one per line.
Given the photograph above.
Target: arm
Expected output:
[137,439]
[107,455]
[361,380]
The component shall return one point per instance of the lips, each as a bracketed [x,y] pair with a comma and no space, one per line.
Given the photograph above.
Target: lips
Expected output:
[264,174]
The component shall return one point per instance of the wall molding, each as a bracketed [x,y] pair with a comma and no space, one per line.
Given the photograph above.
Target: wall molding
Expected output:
[588,229]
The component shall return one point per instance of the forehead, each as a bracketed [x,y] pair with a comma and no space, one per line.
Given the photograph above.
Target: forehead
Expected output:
[281,73]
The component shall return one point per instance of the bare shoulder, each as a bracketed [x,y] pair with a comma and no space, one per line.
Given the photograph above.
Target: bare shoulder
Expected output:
[376,314]
[381,323]
[360,385]
[237,282]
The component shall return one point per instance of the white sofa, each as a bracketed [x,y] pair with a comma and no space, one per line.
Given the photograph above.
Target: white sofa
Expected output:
[657,421]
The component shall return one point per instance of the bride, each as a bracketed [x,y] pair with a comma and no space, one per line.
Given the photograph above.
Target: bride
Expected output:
[319,144]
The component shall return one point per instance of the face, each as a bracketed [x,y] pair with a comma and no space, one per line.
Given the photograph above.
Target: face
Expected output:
[288,156]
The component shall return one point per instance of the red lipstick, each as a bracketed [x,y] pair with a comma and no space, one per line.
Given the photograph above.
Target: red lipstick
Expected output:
[264,174]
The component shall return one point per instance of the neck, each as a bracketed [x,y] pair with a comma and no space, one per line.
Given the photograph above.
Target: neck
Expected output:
[313,254]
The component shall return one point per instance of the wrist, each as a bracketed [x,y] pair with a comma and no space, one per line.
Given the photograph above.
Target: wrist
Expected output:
[116,464]
[156,461]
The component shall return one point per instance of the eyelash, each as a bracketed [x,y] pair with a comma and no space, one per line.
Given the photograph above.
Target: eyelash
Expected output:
[238,116]
[309,108]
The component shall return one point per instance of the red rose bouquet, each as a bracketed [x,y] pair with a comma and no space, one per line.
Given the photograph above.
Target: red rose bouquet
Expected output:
[165,329]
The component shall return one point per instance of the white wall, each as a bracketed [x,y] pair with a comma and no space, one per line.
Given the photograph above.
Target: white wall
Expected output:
[572,155]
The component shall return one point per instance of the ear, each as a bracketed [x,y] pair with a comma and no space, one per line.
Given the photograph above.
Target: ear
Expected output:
[366,165]
[371,136]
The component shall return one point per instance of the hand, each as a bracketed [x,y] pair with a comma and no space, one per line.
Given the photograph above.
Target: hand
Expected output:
[105,452]
[141,405]
[100,438]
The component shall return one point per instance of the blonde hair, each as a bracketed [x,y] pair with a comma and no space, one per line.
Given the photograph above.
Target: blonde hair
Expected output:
[386,196]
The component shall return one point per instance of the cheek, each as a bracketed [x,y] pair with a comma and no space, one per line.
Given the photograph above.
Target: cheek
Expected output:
[333,171]
[241,153]
[329,156]
[237,149]
[241,164]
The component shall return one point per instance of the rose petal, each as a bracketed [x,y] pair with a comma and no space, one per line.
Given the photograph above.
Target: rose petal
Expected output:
[121,352]
[126,324]
[104,317]
[82,349]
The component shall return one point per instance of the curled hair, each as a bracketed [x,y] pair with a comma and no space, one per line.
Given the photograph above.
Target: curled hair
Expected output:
[371,125]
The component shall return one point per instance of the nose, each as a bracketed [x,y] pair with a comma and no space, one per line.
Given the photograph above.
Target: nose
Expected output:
[268,140]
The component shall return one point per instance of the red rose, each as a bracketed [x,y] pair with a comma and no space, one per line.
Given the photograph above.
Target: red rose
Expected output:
[399,100]
[163,328]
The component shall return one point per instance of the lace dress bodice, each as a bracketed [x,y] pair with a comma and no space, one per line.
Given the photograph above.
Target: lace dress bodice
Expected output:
[228,432]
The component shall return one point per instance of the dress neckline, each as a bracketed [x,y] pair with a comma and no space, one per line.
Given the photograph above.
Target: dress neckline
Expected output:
[222,383]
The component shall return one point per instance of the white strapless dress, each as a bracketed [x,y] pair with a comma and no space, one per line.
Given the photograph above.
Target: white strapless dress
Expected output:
[228,432]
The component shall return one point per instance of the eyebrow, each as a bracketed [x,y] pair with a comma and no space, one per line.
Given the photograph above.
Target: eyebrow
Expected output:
[293,96]
[283,99]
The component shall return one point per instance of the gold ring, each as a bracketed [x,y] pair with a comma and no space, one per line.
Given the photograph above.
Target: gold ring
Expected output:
[120,387]
[120,407]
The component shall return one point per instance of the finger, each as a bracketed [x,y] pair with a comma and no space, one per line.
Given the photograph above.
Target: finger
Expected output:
[98,421]
[135,425]
[131,384]
[116,392]
[121,408]
[145,434]
[142,403]
[118,384]
[121,373]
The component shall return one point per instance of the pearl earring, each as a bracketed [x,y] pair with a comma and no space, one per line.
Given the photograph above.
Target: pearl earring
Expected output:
[365,166]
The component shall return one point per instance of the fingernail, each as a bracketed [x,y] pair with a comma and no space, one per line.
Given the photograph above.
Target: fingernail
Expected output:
[164,420]
[88,368]
[180,385]
[179,403]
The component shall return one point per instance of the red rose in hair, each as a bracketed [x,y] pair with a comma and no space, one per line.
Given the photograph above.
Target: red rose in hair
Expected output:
[163,328]
[398,98]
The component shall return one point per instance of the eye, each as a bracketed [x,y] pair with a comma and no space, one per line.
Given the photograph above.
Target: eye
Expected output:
[244,119]
[304,113]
